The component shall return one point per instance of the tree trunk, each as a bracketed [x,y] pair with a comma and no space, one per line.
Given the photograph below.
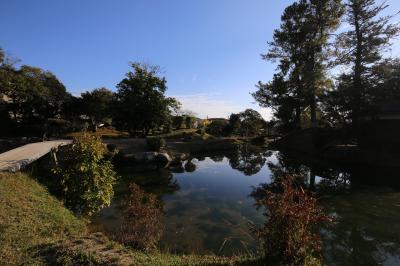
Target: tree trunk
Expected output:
[299,89]
[298,117]
[356,105]
[312,179]
[313,111]
[312,89]
[94,126]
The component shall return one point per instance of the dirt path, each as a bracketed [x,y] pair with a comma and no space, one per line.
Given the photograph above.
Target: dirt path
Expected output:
[18,158]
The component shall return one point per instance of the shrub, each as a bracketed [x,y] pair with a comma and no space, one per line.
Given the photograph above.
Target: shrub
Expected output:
[112,147]
[217,128]
[155,143]
[289,234]
[85,177]
[141,219]
[260,140]
[56,127]
[201,131]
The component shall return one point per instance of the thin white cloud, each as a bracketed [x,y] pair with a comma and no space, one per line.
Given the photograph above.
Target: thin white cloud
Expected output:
[213,105]
[208,105]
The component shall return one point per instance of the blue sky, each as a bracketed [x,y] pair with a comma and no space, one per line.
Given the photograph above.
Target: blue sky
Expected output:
[209,50]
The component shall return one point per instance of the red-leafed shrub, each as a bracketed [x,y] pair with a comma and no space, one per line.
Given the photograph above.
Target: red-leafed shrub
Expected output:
[141,219]
[290,234]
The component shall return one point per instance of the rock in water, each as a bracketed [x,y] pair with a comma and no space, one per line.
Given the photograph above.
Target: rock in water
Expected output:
[163,157]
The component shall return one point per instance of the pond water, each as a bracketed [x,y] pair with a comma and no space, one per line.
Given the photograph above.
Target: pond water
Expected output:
[209,208]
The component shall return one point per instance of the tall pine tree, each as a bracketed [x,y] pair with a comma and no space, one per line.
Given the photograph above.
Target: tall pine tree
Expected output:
[300,45]
[361,48]
[322,19]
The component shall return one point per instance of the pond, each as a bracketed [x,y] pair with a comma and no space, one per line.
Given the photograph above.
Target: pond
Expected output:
[209,208]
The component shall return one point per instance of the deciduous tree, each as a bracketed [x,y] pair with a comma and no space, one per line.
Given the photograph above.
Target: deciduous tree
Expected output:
[141,104]
[97,105]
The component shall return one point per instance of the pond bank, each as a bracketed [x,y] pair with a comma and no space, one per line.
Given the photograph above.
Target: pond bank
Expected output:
[35,228]
[176,150]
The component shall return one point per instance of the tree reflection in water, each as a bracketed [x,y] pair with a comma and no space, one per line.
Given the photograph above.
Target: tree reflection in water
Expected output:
[217,158]
[367,230]
[159,182]
[360,200]
[311,174]
[247,159]
[190,166]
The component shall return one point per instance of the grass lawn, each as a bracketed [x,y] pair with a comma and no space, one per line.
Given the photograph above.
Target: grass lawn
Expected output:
[179,133]
[30,217]
[102,132]
[113,133]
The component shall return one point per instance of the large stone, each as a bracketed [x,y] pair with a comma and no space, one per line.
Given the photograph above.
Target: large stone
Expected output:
[146,156]
[150,156]
[163,157]
[179,157]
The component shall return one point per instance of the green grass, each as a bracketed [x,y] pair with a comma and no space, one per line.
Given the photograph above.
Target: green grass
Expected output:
[36,229]
[110,133]
[98,250]
[209,145]
[30,217]
[180,133]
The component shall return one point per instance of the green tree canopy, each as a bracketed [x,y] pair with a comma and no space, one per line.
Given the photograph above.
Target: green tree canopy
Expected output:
[141,104]
[96,104]
[301,47]
[33,95]
[250,122]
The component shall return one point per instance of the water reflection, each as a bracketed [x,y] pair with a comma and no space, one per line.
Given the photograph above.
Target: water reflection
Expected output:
[190,166]
[364,200]
[247,159]
[208,208]
[323,180]
[159,182]
[367,230]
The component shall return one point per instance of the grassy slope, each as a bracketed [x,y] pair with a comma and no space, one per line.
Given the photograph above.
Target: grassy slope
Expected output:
[102,132]
[98,250]
[30,217]
[33,222]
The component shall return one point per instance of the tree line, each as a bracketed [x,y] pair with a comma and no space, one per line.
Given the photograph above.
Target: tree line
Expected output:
[332,64]
[35,102]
